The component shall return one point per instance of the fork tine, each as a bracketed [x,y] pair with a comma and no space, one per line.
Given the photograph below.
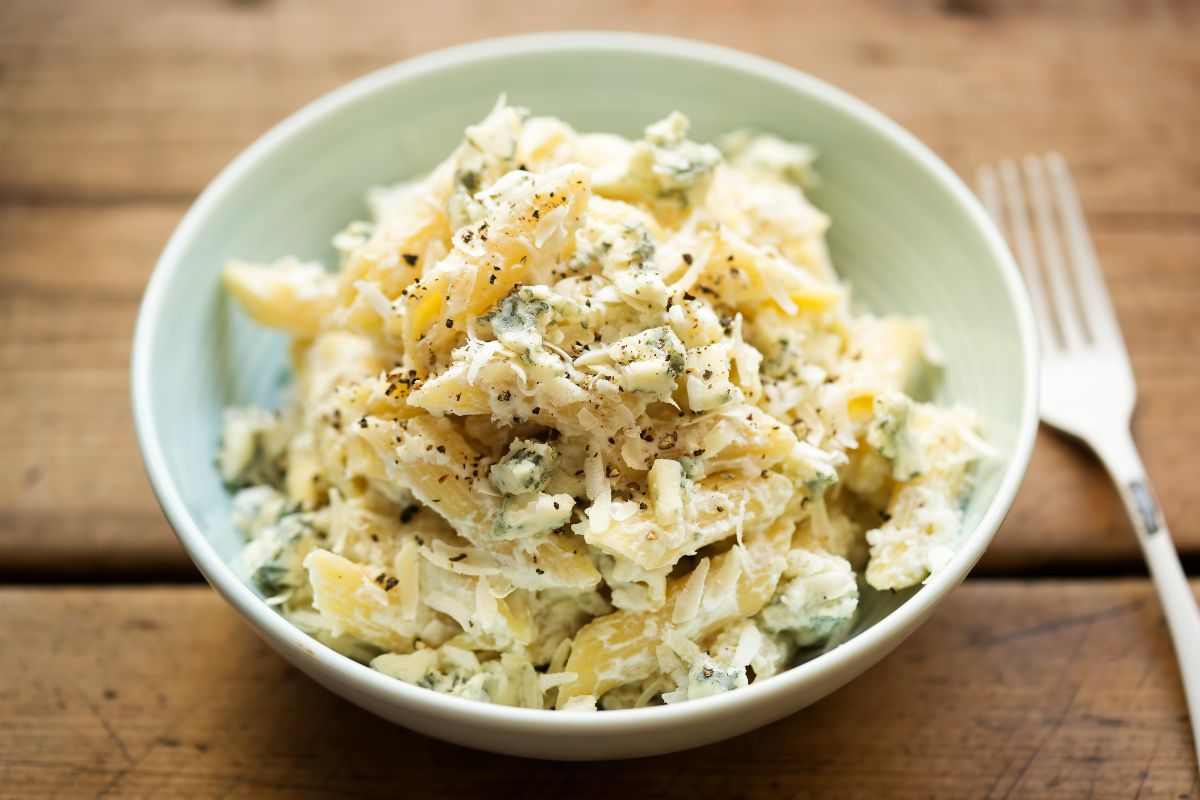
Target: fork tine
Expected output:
[1070,326]
[1097,305]
[1018,233]
[989,193]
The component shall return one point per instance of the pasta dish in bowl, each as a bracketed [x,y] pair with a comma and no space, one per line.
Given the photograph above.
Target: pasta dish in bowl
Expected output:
[685,402]
[584,422]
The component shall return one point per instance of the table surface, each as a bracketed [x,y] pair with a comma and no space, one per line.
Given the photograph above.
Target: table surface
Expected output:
[1048,674]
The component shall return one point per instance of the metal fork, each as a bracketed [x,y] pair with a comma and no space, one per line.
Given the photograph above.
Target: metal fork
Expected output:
[1087,387]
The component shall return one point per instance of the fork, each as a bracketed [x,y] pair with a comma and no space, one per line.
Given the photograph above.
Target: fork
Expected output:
[1087,386]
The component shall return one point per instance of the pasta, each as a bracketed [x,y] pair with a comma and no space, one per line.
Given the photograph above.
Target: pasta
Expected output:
[586,422]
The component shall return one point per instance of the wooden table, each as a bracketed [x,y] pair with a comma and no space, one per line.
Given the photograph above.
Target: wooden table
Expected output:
[1048,674]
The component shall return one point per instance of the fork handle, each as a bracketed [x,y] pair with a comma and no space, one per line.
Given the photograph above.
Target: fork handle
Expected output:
[1121,458]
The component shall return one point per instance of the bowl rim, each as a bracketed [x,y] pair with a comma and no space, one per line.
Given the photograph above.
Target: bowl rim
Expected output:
[387,690]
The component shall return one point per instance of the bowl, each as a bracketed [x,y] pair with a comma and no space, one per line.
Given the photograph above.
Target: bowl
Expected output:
[906,233]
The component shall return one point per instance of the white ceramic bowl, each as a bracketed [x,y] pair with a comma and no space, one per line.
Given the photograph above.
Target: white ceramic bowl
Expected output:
[907,234]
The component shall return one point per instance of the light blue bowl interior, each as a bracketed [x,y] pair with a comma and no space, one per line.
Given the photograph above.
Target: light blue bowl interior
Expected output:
[901,238]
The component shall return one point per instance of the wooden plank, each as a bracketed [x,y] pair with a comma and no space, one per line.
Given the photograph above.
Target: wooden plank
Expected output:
[1050,689]
[139,98]
[74,499]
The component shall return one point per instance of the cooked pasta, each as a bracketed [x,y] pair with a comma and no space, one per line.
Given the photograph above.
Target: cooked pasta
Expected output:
[586,422]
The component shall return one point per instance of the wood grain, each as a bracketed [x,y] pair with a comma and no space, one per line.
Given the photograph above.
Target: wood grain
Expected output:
[113,115]
[1048,689]
[74,499]
[145,99]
